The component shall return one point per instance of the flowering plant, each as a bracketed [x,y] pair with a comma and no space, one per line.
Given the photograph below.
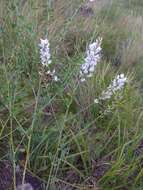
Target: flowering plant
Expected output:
[117,84]
[45,57]
[93,56]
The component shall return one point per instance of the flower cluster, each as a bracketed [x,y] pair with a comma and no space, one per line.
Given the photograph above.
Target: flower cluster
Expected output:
[93,56]
[45,57]
[117,84]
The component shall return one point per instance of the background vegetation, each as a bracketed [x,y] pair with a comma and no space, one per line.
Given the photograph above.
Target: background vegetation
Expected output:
[53,133]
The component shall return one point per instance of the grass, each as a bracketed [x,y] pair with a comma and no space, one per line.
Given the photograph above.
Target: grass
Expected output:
[68,140]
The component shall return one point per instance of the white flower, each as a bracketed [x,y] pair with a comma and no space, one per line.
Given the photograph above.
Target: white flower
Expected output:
[93,56]
[50,72]
[117,84]
[45,55]
[56,78]
[53,75]
[96,101]
[26,186]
